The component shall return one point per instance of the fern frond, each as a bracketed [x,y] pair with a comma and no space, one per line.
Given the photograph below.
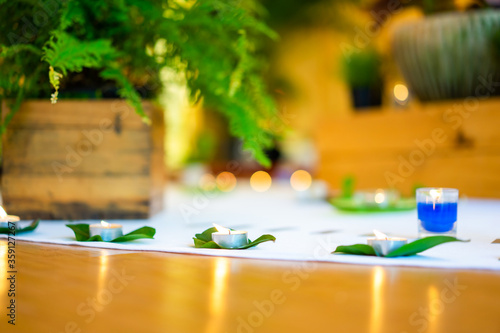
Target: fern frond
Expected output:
[67,53]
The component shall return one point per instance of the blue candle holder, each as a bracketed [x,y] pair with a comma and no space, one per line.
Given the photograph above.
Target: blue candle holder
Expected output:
[437,211]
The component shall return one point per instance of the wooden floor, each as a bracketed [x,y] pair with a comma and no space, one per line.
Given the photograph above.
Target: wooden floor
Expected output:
[77,289]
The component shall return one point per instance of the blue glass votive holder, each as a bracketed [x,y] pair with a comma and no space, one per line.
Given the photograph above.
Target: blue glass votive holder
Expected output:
[437,211]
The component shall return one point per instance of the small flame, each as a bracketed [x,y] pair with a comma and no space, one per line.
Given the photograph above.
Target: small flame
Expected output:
[435,194]
[3,213]
[379,235]
[221,229]
[105,224]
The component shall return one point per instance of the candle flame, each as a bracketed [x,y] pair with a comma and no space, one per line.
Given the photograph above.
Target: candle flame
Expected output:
[379,235]
[435,194]
[3,213]
[221,229]
[105,224]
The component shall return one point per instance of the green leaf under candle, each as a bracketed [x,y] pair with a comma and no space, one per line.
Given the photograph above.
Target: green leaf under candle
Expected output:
[421,245]
[360,249]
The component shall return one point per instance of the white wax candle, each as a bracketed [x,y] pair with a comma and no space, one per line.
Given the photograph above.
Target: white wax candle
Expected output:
[107,231]
[230,239]
[383,244]
[5,219]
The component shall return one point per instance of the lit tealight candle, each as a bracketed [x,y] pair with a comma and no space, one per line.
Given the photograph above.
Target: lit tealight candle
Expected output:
[107,231]
[230,239]
[5,219]
[384,245]
[376,198]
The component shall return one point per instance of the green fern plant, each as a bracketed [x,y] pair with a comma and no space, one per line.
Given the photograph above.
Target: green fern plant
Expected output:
[214,43]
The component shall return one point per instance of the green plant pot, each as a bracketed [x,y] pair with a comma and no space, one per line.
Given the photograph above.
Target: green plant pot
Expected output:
[449,56]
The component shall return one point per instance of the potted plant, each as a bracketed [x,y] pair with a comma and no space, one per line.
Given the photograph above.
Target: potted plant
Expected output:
[449,54]
[93,158]
[361,70]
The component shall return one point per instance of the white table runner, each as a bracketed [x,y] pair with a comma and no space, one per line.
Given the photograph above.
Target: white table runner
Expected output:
[305,231]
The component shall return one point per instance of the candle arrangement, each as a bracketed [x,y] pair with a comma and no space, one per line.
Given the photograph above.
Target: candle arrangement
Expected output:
[6,221]
[11,224]
[381,198]
[383,245]
[389,247]
[219,237]
[437,211]
[228,239]
[107,232]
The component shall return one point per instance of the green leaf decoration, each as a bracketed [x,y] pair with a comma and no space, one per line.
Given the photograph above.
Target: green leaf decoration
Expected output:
[352,206]
[359,249]
[409,249]
[82,234]
[421,245]
[82,231]
[206,235]
[144,232]
[205,245]
[30,227]
[204,240]
[261,239]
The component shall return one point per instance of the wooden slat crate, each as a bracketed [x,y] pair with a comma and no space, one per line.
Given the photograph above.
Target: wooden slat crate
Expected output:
[449,144]
[83,160]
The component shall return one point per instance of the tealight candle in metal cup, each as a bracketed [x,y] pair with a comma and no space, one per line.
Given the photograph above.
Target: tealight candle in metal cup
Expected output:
[383,245]
[230,239]
[6,221]
[107,231]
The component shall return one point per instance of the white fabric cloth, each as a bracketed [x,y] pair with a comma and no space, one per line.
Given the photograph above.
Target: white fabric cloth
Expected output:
[305,231]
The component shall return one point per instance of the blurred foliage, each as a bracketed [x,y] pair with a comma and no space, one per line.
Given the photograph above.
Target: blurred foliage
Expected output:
[436,6]
[362,69]
[204,148]
[124,44]
[284,14]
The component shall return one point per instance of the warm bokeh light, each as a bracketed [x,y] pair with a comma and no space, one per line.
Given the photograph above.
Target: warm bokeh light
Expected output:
[436,307]
[218,295]
[226,181]
[207,182]
[260,181]
[301,180]
[379,196]
[378,300]
[103,271]
[401,92]
[4,249]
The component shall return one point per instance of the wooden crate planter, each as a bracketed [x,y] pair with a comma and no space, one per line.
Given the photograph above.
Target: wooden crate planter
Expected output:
[83,160]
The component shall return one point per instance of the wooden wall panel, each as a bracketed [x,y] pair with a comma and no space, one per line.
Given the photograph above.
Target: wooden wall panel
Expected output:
[442,144]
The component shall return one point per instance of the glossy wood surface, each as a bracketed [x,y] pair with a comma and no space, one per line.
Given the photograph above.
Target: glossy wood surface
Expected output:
[78,289]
